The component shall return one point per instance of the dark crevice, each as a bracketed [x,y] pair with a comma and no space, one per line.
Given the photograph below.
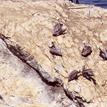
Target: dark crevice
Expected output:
[25,57]
[28,59]
[75,97]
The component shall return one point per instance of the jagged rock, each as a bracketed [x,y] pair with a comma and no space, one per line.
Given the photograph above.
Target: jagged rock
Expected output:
[27,69]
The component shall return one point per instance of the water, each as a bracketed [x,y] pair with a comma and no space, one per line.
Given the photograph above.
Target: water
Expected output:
[101,3]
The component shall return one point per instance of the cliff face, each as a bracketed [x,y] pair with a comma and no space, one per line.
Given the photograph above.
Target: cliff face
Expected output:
[28,70]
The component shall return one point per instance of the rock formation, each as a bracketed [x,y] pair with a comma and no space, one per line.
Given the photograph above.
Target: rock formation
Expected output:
[33,76]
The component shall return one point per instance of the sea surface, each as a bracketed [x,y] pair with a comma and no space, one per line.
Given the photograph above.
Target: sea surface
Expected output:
[101,3]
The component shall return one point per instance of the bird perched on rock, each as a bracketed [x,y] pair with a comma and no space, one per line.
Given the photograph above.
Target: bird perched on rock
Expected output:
[103,54]
[54,50]
[58,29]
[86,51]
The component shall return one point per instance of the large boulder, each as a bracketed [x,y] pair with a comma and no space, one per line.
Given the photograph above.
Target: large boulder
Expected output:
[31,82]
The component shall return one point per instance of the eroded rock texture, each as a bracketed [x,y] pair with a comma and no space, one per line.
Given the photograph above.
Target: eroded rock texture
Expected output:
[30,76]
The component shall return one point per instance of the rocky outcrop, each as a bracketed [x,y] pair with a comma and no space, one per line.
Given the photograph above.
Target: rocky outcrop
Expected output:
[36,65]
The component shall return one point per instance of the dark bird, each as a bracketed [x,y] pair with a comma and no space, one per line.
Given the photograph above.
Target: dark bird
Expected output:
[73,75]
[86,51]
[54,50]
[58,30]
[103,54]
[89,75]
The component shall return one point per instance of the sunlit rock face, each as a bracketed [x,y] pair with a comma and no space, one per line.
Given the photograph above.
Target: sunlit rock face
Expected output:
[30,25]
